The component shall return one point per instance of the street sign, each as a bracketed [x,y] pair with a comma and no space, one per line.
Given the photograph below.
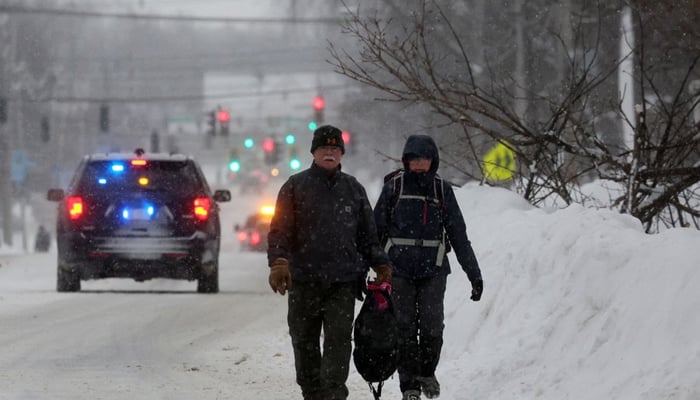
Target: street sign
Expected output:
[19,164]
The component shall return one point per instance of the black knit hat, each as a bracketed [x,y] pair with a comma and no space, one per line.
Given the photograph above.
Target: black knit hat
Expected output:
[328,135]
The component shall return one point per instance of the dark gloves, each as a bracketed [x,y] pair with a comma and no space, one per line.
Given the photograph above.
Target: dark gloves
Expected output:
[280,279]
[383,273]
[477,289]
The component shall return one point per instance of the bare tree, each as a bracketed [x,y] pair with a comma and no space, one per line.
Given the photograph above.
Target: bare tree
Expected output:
[552,106]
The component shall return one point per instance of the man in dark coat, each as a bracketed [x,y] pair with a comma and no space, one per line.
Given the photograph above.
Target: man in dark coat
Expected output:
[418,218]
[322,237]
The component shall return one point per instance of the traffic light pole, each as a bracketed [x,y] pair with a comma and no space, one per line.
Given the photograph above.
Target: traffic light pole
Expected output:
[5,193]
[6,199]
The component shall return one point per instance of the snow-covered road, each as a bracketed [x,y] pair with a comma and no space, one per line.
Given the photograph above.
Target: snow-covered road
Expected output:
[579,304]
[157,339]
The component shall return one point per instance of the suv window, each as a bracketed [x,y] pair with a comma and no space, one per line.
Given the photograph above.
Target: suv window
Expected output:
[178,177]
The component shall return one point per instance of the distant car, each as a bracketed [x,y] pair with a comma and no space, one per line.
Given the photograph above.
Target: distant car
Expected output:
[253,235]
[140,216]
[254,181]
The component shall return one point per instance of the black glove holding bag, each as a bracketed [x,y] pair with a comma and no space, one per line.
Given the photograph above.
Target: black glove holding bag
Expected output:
[477,289]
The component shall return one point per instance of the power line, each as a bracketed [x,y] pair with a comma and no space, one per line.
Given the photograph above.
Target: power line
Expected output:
[218,56]
[161,99]
[13,9]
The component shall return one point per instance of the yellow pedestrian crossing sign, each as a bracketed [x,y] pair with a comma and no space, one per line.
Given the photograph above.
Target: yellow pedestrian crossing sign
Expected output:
[499,162]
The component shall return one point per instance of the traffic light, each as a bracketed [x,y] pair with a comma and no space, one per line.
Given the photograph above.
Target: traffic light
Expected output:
[45,129]
[294,162]
[268,145]
[211,123]
[349,147]
[248,143]
[224,117]
[234,163]
[104,118]
[312,126]
[271,150]
[276,153]
[290,138]
[319,105]
[3,110]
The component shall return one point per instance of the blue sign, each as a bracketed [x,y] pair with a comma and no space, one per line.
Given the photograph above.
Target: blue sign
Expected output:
[19,164]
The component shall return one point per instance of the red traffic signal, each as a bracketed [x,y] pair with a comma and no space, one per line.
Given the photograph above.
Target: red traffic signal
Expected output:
[223,116]
[272,151]
[268,145]
[319,103]
[346,137]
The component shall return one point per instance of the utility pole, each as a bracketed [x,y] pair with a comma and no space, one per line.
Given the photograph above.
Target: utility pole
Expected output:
[520,75]
[5,192]
[6,200]
[625,77]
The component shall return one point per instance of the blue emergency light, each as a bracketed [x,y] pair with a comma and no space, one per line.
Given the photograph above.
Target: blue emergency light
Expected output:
[146,211]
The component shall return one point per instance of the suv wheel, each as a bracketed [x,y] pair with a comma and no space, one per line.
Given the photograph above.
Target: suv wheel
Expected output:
[208,281]
[67,280]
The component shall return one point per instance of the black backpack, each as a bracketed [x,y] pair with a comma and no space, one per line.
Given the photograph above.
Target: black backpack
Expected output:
[396,177]
[376,333]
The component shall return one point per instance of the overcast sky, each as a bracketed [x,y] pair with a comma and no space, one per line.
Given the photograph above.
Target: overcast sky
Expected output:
[238,8]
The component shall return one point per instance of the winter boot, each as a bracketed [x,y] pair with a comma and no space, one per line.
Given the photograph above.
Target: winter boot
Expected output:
[411,395]
[430,386]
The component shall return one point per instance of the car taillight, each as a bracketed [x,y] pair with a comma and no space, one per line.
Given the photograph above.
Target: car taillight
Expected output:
[255,238]
[242,236]
[74,204]
[201,208]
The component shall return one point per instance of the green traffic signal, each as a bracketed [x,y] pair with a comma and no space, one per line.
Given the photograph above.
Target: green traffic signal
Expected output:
[294,164]
[290,139]
[313,125]
[248,143]
[234,166]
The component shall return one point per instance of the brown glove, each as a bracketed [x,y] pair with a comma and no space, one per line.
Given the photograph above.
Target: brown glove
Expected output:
[383,273]
[280,279]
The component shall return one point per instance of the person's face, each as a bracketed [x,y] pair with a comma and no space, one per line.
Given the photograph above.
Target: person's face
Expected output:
[419,165]
[327,157]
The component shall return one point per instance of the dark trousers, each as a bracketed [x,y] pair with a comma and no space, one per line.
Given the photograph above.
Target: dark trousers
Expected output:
[420,314]
[312,307]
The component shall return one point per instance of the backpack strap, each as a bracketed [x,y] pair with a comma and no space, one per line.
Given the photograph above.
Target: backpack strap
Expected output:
[439,190]
[397,181]
[439,194]
[438,198]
